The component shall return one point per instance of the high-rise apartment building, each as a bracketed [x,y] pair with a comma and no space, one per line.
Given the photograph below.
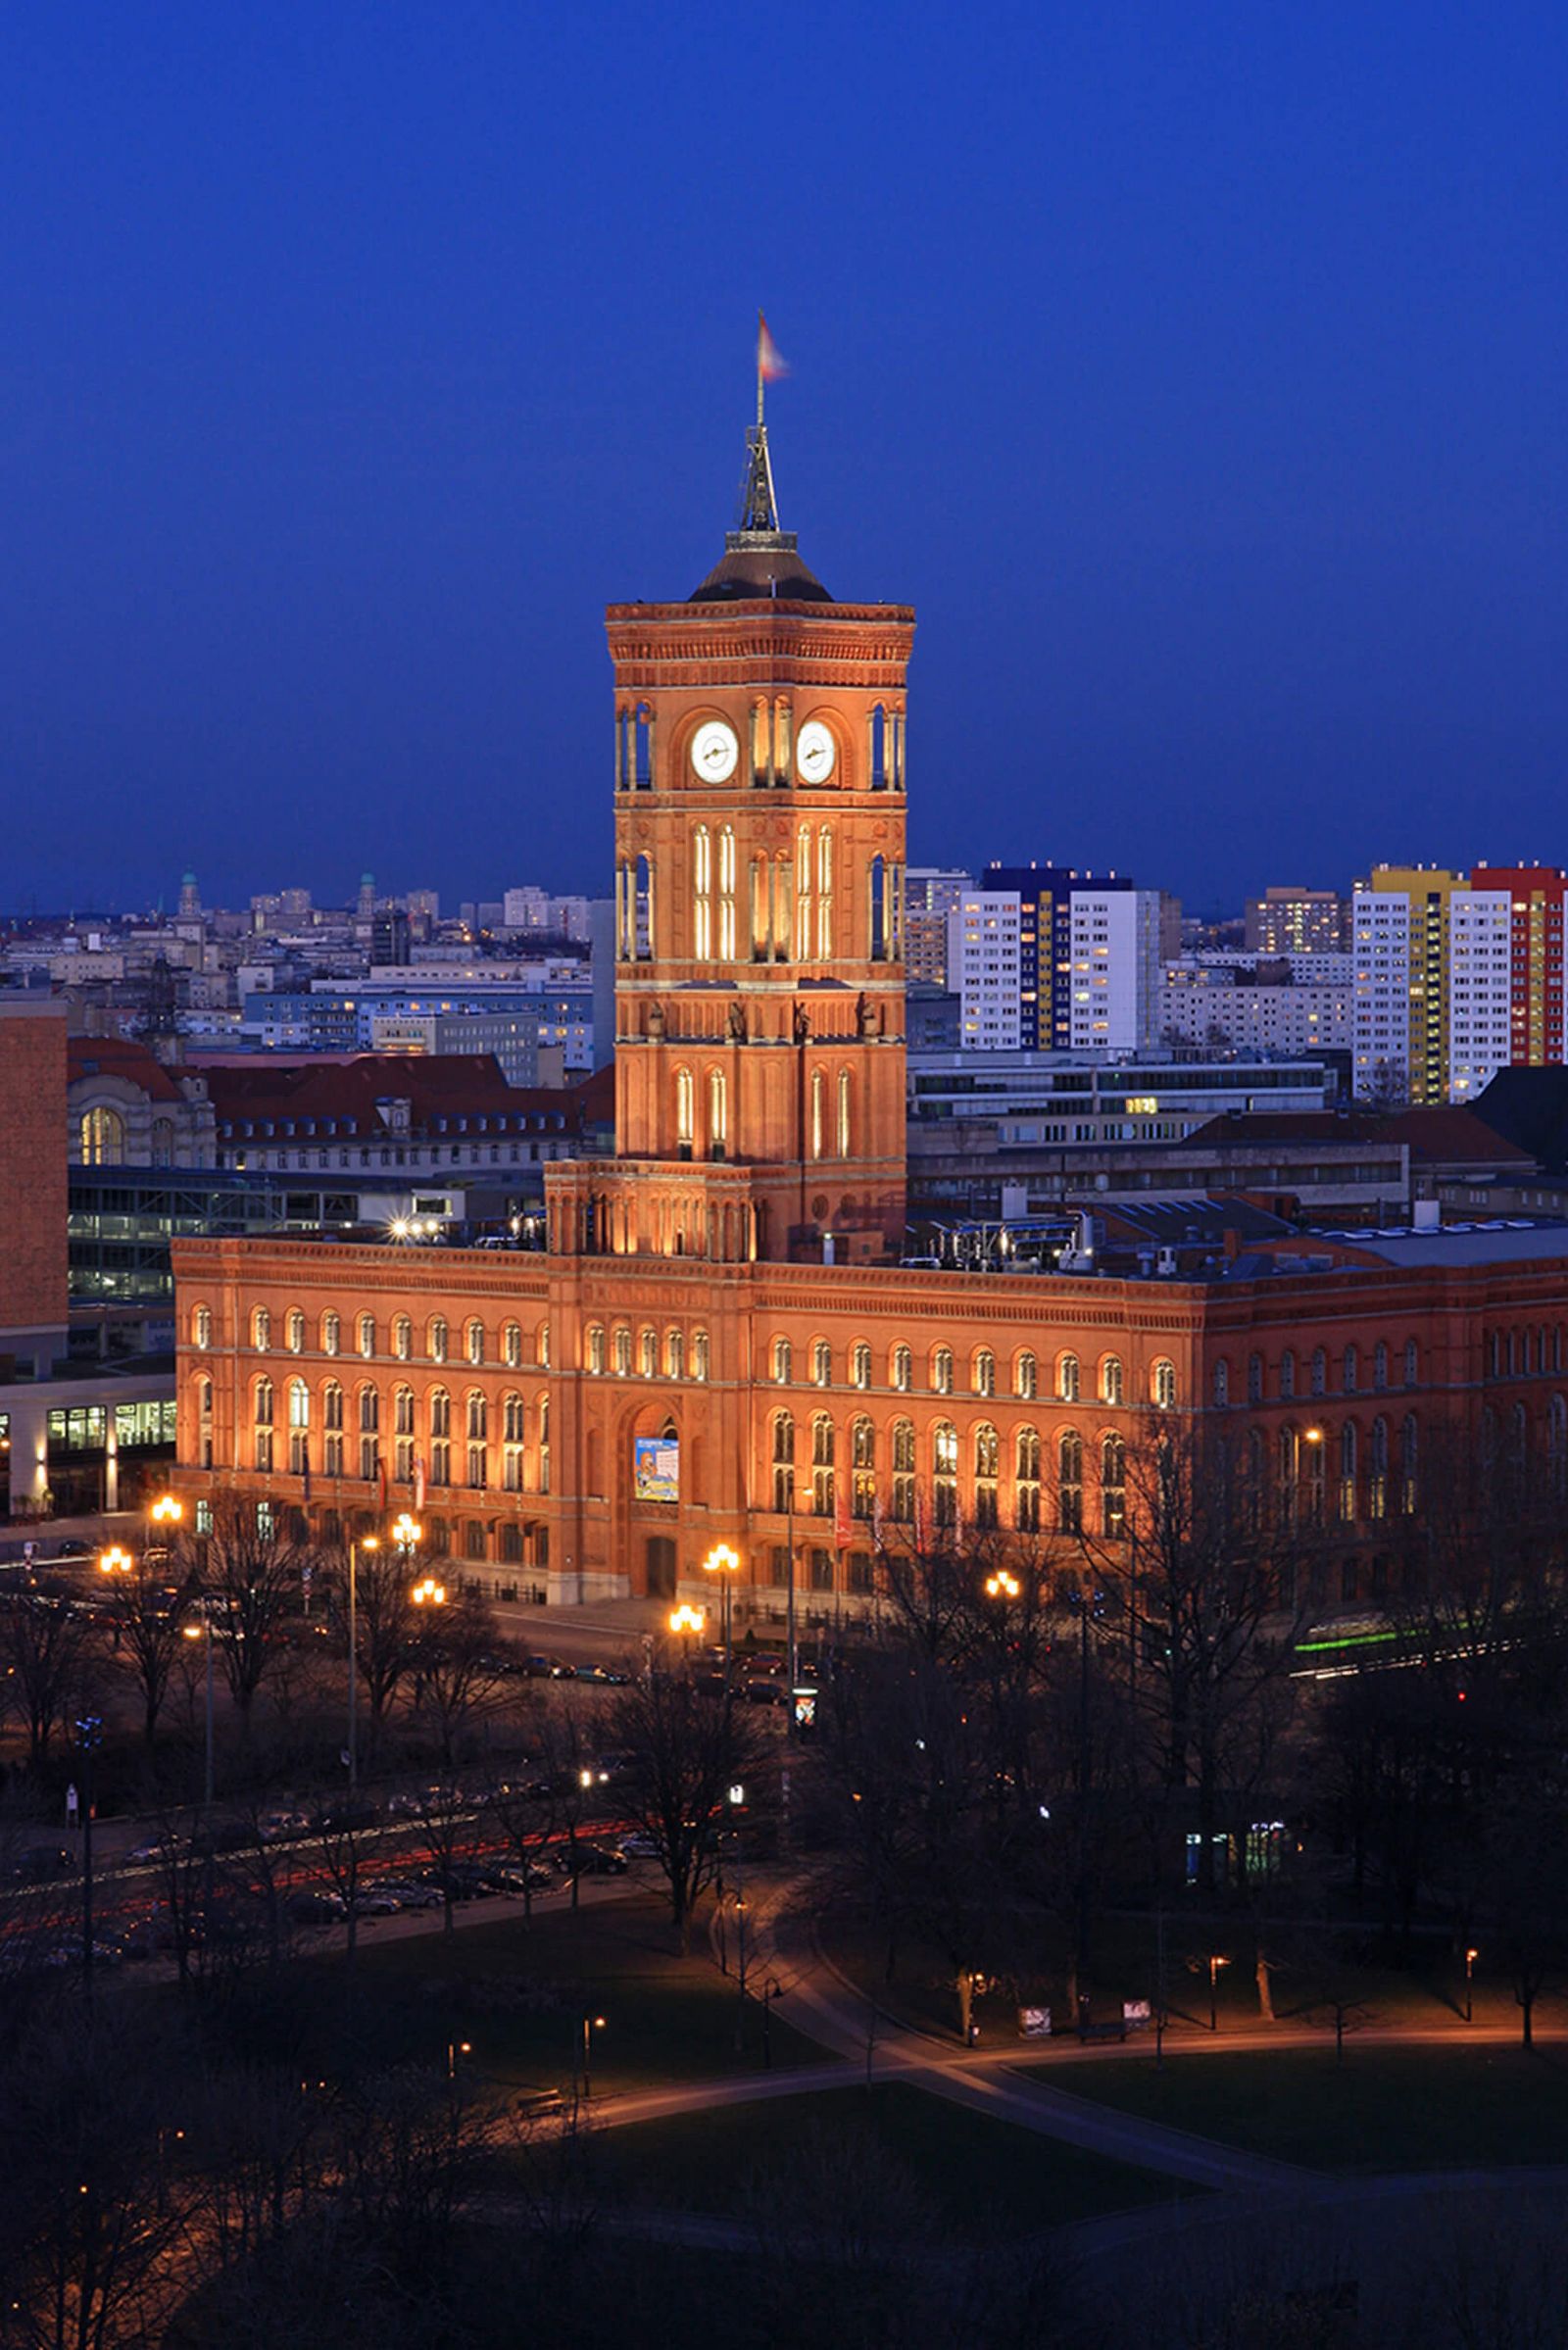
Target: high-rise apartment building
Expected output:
[1292,919]
[933,892]
[1114,940]
[1402,920]
[1047,960]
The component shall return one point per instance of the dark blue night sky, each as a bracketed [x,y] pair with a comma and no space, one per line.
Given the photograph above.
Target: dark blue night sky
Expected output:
[1198,372]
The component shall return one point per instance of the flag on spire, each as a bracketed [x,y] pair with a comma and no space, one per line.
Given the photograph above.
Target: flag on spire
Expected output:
[770,360]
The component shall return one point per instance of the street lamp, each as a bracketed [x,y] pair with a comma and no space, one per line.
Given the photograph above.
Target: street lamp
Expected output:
[1002,1585]
[724,1562]
[1215,1962]
[589,2025]
[166,1510]
[114,1561]
[407,1533]
[689,1624]
[429,1593]
[1470,1958]
[194,1632]
[357,1543]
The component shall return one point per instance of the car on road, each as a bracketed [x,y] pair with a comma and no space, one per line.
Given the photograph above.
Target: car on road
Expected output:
[154,1848]
[551,1668]
[282,1827]
[607,1676]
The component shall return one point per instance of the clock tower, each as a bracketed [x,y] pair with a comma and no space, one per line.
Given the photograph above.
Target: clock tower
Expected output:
[759,857]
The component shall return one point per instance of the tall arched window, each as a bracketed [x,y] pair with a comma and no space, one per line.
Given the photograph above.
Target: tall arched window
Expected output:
[701,893]
[685,1110]
[1162,1386]
[262,1330]
[294,1331]
[1071,1482]
[1025,1376]
[511,1436]
[862,1462]
[900,1453]
[674,1355]
[700,1354]
[366,1334]
[1320,1371]
[402,1435]
[1067,1378]
[944,1473]
[473,1342]
[103,1139]
[440,1437]
[1380,1365]
[1556,1445]
[205,1449]
[595,1357]
[1348,1471]
[201,1327]
[1377,1483]
[819,1114]
[1222,1383]
[1110,1380]
[783,1462]
[647,1353]
[1288,1373]
[1351,1371]
[900,1369]
[859,1364]
[942,1371]
[403,1337]
[823,1446]
[718,1113]
[783,1362]
[1254,1378]
[803,895]
[844,1134]
[983,1372]
[727,894]
[1113,1484]
[1027,1476]
[620,1351]
[1412,1362]
[512,1346]
[331,1334]
[986,1471]
[821,1363]
[438,1339]
[824,893]
[1410,1461]
[299,1428]
[262,1424]
[543,1415]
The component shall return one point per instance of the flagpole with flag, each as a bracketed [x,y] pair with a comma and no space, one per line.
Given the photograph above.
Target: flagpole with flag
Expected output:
[770,362]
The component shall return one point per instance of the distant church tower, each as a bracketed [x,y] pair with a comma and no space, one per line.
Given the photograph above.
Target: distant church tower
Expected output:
[190,900]
[759,857]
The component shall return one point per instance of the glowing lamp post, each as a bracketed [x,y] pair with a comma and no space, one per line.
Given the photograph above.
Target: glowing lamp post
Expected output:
[1215,1962]
[688,1624]
[1470,1958]
[428,1593]
[1002,1585]
[726,1563]
[114,1561]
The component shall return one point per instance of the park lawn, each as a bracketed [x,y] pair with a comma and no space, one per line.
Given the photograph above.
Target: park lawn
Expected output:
[518,1992]
[985,2182]
[1380,2109]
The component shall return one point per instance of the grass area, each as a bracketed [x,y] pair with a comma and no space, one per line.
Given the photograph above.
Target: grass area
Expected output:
[1382,2109]
[983,2182]
[517,1993]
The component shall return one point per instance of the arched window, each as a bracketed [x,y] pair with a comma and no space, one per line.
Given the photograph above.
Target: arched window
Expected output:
[103,1139]
[1067,1378]
[1351,1371]
[403,1337]
[1410,1461]
[1025,1376]
[1320,1371]
[1027,1473]
[1412,1363]
[818,1112]
[685,1110]
[944,1473]
[262,1330]
[900,1370]
[987,1470]
[366,1334]
[727,894]
[844,1113]
[701,893]
[1222,1383]
[1071,1482]
[478,1416]
[512,1346]
[700,1354]
[201,1327]
[675,1353]
[1380,1365]
[783,1462]
[1254,1378]
[541,1346]
[1348,1471]
[823,1466]
[294,1331]
[473,1343]
[437,1343]
[982,1373]
[942,1371]
[512,1434]
[862,1463]
[595,1357]
[1162,1386]
[859,1364]
[1110,1380]
[718,1113]
[620,1351]
[1377,1484]
[261,1427]
[331,1334]
[1113,1484]
[803,895]
[825,892]
[440,1407]
[821,1363]
[900,1453]
[783,1362]
[402,1435]
[204,1424]
[299,1428]
[1288,1373]
[478,1427]
[647,1353]
[543,1415]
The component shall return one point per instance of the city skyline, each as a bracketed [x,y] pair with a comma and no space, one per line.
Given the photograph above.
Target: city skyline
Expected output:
[1221,463]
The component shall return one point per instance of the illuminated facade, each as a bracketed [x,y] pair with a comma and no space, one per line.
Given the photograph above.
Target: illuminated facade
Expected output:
[720,1344]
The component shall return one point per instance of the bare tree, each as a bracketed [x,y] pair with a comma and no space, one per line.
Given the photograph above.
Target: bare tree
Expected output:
[683,1747]
[46,1655]
[455,1667]
[146,1607]
[251,1572]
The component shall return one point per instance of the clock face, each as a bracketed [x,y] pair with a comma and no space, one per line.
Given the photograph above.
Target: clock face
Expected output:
[815,752]
[716,750]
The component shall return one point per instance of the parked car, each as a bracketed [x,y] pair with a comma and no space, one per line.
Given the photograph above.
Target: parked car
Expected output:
[609,1676]
[639,1847]
[282,1827]
[316,1908]
[407,1894]
[154,1848]
[375,1902]
[519,1877]
[591,1860]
